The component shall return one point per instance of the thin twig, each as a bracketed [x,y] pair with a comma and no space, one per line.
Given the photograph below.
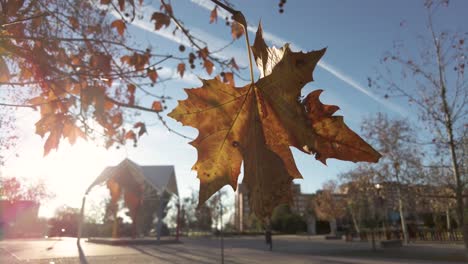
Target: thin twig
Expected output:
[24,19]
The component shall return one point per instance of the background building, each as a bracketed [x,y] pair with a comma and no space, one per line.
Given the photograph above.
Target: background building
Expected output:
[19,219]
[300,204]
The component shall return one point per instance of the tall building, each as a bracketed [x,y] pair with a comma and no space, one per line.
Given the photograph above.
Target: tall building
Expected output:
[300,205]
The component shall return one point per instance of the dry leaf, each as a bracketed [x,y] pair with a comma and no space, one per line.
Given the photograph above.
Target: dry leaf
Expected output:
[157,106]
[181,69]
[74,22]
[122,5]
[152,74]
[142,128]
[4,71]
[214,15]
[203,53]
[228,77]
[130,135]
[259,122]
[160,20]
[119,24]
[208,65]
[72,132]
[237,30]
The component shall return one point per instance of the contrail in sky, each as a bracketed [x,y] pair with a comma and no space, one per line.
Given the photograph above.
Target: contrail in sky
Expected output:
[322,64]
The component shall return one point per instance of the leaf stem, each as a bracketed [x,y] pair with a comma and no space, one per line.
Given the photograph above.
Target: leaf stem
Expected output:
[250,55]
[239,18]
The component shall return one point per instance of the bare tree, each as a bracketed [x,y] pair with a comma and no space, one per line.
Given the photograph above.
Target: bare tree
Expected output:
[358,187]
[401,160]
[435,84]
[329,205]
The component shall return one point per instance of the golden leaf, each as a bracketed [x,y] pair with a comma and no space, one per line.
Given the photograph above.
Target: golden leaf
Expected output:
[259,122]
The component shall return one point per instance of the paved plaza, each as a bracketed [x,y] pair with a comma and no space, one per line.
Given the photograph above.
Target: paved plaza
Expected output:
[238,250]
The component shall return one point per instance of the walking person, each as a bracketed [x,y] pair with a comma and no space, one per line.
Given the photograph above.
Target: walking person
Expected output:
[268,238]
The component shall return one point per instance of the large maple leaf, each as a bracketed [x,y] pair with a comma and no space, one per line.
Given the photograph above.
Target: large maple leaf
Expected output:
[256,124]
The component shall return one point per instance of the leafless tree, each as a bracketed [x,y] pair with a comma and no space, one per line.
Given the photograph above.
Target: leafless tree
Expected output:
[434,83]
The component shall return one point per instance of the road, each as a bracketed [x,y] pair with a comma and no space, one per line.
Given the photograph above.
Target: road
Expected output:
[238,250]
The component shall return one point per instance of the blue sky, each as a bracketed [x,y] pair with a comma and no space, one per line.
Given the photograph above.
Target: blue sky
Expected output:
[356,34]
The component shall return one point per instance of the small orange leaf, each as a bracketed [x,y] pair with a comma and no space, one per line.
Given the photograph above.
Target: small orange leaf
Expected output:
[131,88]
[74,22]
[236,30]
[181,69]
[152,74]
[157,106]
[101,62]
[117,119]
[167,8]
[228,77]
[208,66]
[4,71]
[142,128]
[108,105]
[52,142]
[125,59]
[120,25]
[214,15]
[203,53]
[12,7]
[130,135]
[160,20]
[72,132]
[122,5]
[138,60]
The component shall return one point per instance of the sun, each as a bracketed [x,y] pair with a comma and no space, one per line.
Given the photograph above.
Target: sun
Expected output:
[67,172]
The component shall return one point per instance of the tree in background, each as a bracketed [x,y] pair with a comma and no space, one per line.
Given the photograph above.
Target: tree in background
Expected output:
[284,220]
[65,222]
[435,84]
[75,65]
[193,217]
[75,62]
[359,192]
[14,189]
[150,210]
[401,159]
[204,218]
[215,203]
[329,205]
[8,136]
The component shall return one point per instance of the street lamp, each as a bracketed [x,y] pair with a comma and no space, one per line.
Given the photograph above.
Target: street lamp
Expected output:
[380,199]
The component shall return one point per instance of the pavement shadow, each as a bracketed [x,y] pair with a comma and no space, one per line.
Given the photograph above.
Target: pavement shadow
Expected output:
[81,254]
[186,256]
[149,254]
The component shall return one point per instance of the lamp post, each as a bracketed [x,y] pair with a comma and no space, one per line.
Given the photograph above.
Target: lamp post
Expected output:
[380,204]
[178,220]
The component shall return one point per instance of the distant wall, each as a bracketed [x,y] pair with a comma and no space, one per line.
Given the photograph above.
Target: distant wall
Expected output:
[20,219]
